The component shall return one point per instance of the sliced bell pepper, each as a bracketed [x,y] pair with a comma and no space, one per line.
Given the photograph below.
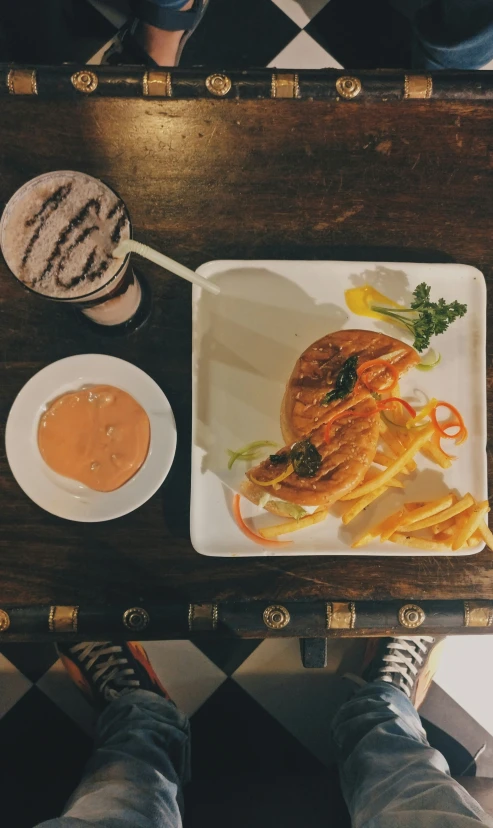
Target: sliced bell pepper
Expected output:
[279,479]
[248,532]
[360,371]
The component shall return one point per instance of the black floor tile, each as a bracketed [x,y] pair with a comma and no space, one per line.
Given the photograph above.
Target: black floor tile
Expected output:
[34,660]
[237,34]
[452,731]
[41,760]
[232,735]
[363,35]
[51,31]
[228,653]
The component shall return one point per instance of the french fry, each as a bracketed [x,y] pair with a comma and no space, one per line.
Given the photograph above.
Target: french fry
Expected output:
[414,504]
[472,523]
[444,536]
[435,453]
[382,459]
[388,474]
[443,515]
[390,524]
[444,526]
[418,543]
[392,441]
[361,504]
[355,494]
[293,525]
[475,539]
[433,507]
[486,534]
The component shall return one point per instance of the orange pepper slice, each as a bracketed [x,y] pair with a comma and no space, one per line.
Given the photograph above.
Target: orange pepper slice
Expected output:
[371,363]
[248,532]
[461,434]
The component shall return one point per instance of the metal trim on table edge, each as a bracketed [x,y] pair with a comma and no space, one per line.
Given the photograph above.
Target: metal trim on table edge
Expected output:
[340,87]
[253,619]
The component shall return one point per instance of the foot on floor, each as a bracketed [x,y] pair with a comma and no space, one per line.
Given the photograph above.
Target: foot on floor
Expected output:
[104,671]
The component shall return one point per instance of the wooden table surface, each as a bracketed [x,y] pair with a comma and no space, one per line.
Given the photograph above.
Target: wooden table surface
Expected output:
[212,179]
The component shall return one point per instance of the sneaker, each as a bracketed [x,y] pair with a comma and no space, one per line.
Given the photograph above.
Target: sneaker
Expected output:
[407,663]
[104,671]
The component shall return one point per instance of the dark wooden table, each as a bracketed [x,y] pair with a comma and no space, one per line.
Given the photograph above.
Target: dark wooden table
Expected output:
[208,179]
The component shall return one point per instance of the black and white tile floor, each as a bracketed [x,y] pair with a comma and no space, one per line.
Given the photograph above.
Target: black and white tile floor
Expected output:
[252,705]
[248,701]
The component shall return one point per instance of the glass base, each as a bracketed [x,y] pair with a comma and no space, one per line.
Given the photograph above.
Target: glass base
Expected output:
[135,322]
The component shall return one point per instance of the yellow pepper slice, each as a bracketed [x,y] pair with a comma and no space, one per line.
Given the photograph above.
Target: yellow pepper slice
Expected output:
[286,473]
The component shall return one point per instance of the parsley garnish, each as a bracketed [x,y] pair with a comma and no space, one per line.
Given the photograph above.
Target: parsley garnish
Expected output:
[429,318]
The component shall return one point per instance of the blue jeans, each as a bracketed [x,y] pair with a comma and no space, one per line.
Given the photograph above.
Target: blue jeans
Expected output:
[453,34]
[391,777]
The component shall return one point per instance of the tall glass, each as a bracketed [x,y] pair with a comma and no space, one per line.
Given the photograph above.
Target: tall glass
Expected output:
[56,235]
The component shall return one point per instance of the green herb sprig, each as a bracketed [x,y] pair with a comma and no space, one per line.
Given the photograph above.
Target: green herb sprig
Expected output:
[428,318]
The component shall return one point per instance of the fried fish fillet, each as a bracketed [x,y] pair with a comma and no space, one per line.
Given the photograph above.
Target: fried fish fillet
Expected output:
[316,371]
[347,456]
[345,461]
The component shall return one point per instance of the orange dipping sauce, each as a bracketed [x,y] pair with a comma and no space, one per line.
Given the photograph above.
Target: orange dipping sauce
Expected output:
[99,436]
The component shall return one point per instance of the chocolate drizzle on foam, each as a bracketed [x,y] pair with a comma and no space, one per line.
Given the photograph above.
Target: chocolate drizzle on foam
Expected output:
[49,206]
[98,260]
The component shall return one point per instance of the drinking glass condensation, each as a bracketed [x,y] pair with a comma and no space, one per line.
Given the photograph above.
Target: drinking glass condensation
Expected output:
[56,235]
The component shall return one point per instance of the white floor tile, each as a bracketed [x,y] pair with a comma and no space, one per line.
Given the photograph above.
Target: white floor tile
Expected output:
[301,11]
[60,688]
[188,675]
[465,672]
[304,53]
[96,59]
[13,685]
[303,701]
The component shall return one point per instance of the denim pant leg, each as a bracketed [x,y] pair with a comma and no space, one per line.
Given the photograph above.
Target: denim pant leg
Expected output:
[390,776]
[135,776]
[453,34]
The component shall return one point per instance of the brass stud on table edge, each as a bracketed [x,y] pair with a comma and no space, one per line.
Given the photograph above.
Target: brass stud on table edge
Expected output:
[418,86]
[348,87]
[136,619]
[218,85]
[4,620]
[341,615]
[478,614]
[22,82]
[85,81]
[157,84]
[276,617]
[411,616]
[202,617]
[286,85]
[62,619]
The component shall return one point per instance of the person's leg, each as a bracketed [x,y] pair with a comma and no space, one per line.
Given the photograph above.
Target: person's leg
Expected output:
[141,756]
[151,31]
[453,34]
[390,776]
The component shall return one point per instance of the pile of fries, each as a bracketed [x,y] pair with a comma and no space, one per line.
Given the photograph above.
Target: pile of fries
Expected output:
[450,522]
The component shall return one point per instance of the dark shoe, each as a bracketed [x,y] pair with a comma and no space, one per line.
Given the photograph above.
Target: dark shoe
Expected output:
[407,663]
[104,671]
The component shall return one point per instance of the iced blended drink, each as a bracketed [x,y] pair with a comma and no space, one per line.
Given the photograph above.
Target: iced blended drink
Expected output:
[57,236]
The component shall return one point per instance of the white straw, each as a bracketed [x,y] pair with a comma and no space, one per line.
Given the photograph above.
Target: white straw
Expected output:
[131,246]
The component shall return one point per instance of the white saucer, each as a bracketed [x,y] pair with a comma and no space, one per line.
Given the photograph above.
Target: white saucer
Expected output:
[67,498]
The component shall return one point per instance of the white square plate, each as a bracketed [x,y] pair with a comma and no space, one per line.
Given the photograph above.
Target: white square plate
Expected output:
[245,344]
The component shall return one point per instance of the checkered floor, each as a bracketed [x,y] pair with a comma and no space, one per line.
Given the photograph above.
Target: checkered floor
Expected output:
[252,705]
[308,34]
